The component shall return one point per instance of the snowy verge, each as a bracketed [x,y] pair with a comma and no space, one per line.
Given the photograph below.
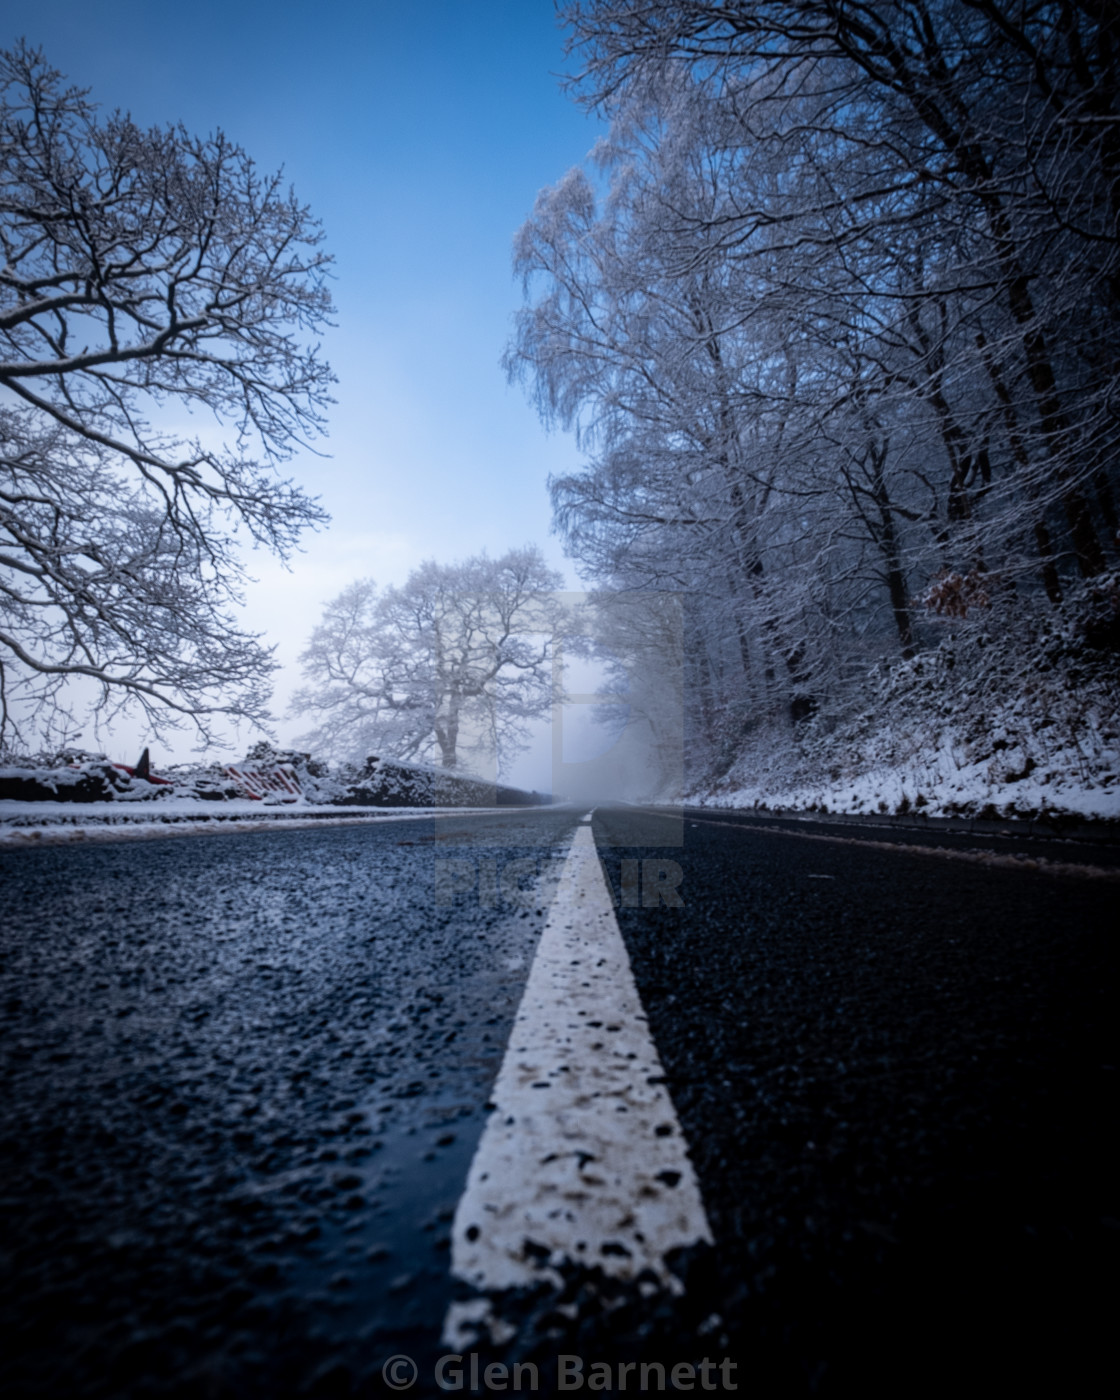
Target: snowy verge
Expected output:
[84,792]
[922,788]
[1007,719]
[24,824]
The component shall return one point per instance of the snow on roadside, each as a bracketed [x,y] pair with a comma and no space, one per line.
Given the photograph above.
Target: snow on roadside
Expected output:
[920,788]
[24,824]
[1017,723]
[77,796]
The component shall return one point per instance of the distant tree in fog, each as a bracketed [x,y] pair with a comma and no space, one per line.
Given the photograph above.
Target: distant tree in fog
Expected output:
[450,667]
[639,639]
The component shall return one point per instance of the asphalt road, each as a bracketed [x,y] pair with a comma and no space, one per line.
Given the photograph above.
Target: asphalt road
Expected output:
[244,1078]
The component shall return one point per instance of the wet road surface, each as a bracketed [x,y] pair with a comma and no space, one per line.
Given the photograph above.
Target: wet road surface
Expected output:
[244,1078]
[897,1074]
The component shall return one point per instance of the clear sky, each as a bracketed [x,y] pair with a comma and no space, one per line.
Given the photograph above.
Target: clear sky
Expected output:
[419,132]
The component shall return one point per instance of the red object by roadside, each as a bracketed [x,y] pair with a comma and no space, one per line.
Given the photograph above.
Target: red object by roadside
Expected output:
[257,783]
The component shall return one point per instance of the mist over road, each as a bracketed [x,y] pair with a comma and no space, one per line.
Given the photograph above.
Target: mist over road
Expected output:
[245,1078]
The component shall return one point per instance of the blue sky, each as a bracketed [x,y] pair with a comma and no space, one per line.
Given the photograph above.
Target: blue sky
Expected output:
[419,133]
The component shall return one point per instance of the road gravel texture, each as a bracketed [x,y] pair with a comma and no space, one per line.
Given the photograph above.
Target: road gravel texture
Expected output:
[244,1079]
[897,1074]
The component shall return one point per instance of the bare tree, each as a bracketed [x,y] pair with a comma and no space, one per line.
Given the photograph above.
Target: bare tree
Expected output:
[699,376]
[445,667]
[841,331]
[1007,116]
[639,640]
[146,275]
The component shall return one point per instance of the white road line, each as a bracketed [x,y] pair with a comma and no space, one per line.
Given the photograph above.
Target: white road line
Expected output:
[583,1157]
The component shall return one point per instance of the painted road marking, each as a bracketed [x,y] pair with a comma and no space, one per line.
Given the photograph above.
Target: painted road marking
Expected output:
[583,1157]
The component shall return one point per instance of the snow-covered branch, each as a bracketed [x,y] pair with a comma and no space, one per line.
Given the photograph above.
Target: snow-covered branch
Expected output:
[143,271]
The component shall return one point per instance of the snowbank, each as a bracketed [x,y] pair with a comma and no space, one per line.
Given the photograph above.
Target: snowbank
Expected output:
[266,775]
[78,796]
[1019,723]
[24,824]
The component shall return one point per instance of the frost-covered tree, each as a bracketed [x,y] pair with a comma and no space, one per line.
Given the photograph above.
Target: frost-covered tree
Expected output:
[697,377]
[639,639]
[837,325]
[449,667]
[994,129]
[148,275]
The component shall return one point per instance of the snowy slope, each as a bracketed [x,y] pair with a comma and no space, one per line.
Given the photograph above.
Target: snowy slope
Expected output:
[1017,723]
